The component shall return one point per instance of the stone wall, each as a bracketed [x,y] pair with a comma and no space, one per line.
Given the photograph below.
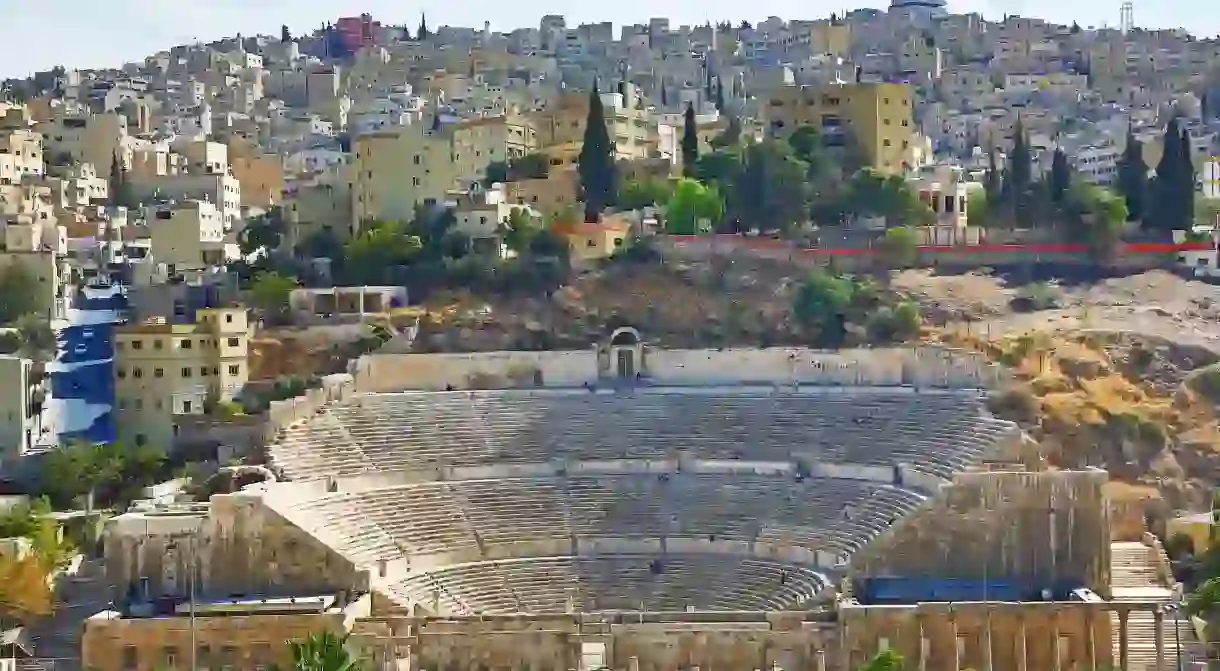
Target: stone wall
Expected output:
[1039,528]
[920,366]
[1028,636]
[1014,636]
[241,546]
[236,642]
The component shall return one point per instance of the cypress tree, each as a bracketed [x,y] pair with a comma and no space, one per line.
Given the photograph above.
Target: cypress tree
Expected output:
[1133,177]
[719,95]
[596,161]
[423,28]
[1169,179]
[120,191]
[1187,183]
[690,140]
[664,97]
[285,34]
[1020,163]
[1061,177]
[993,186]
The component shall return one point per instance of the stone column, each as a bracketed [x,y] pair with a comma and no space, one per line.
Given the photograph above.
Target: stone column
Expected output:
[1091,637]
[924,647]
[1122,640]
[1056,658]
[1021,643]
[1158,621]
[957,651]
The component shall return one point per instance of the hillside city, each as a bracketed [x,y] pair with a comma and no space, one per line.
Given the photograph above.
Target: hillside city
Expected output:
[226,261]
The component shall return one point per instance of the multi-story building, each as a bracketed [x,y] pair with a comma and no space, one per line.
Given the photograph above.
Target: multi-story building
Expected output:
[395,171]
[20,406]
[21,152]
[163,370]
[876,116]
[187,234]
[95,139]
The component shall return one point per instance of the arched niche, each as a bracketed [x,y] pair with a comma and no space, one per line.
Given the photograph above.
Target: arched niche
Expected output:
[621,354]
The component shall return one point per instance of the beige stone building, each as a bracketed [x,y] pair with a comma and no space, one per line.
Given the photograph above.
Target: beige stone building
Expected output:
[632,127]
[94,139]
[165,370]
[878,117]
[187,234]
[21,153]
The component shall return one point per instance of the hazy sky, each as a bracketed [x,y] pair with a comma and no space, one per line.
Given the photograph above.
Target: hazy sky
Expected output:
[38,34]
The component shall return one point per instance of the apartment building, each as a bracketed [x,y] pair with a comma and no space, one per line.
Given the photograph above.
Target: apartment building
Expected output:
[20,153]
[321,204]
[877,116]
[94,139]
[20,406]
[187,234]
[480,142]
[165,370]
[395,171]
[629,123]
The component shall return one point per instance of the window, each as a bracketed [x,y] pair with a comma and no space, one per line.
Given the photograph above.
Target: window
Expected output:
[121,373]
[234,342]
[137,344]
[158,372]
[157,344]
[228,319]
[131,657]
[186,372]
[186,343]
[137,373]
[141,440]
[235,369]
[203,371]
[171,656]
[186,406]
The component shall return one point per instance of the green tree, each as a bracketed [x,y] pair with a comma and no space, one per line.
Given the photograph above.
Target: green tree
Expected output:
[870,193]
[1133,177]
[1061,178]
[644,192]
[693,209]
[370,257]
[1170,186]
[265,232]
[496,172]
[731,135]
[899,247]
[1020,176]
[690,140]
[37,337]
[1097,216]
[994,186]
[79,469]
[324,651]
[18,293]
[821,305]
[530,166]
[270,292]
[886,660]
[598,177]
[121,194]
[720,96]
[1187,185]
[977,208]
[771,192]
[520,230]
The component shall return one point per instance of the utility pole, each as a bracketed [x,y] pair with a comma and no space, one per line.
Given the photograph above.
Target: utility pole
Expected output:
[191,596]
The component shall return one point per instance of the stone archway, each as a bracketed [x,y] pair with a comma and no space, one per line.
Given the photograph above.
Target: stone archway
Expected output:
[621,355]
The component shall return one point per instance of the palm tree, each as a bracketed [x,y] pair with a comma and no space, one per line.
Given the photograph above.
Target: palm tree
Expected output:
[324,651]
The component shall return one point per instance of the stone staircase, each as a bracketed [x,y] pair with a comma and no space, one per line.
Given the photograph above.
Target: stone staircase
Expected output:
[1134,576]
[57,639]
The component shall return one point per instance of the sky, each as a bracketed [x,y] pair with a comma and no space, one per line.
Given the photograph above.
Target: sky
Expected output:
[39,34]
